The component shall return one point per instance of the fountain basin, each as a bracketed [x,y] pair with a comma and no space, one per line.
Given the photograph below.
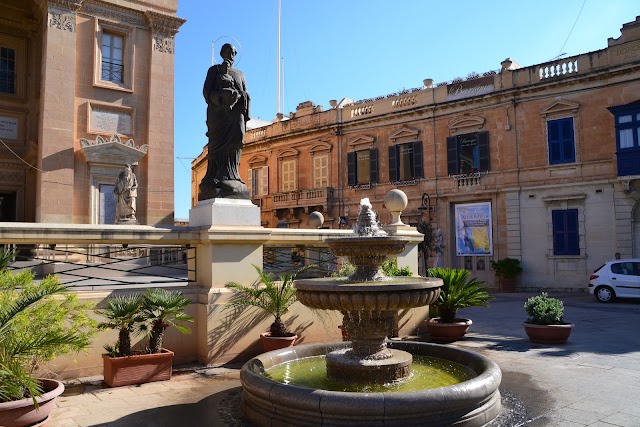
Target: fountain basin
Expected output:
[394,294]
[470,403]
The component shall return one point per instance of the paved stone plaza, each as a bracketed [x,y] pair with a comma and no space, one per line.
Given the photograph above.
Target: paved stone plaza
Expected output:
[593,380]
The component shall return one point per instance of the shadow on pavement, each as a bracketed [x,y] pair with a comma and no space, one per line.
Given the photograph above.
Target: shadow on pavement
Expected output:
[217,410]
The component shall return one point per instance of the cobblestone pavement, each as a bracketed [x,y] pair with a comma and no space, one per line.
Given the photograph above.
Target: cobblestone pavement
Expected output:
[592,380]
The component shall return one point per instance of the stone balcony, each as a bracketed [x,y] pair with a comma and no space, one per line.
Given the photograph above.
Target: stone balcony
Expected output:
[322,197]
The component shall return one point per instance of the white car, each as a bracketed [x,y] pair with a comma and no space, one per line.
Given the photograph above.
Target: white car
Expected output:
[617,278]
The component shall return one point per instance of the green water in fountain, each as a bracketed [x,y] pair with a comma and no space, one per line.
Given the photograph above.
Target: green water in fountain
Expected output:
[427,373]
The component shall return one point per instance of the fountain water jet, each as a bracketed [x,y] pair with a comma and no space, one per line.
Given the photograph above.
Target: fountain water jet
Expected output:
[369,302]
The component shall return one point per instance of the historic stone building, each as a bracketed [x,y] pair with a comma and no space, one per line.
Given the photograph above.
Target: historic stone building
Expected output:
[539,163]
[86,87]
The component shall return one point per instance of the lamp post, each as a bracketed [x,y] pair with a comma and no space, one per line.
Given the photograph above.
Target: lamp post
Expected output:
[426,205]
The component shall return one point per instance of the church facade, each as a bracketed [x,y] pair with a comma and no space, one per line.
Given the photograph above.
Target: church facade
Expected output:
[80,88]
[538,163]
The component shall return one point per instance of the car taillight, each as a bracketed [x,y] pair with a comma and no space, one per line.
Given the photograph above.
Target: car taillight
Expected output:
[593,276]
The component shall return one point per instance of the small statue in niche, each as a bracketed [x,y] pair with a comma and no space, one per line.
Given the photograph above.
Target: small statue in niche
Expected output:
[126,192]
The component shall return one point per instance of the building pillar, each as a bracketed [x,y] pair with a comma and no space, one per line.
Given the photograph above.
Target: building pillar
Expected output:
[228,254]
[160,158]
[54,196]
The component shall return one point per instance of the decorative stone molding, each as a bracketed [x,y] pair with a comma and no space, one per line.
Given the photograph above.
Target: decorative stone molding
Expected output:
[361,142]
[471,123]
[13,176]
[65,5]
[404,135]
[257,160]
[362,110]
[288,153]
[163,44]
[564,197]
[26,27]
[560,107]
[163,24]
[163,27]
[112,151]
[404,101]
[114,12]
[320,148]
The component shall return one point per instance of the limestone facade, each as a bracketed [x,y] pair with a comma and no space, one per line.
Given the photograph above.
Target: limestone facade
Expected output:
[542,149]
[86,87]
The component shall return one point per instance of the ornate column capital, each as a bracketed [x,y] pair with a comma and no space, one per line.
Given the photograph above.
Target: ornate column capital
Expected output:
[61,14]
[163,28]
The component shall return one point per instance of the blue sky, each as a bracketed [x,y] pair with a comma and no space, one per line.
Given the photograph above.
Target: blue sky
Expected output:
[358,49]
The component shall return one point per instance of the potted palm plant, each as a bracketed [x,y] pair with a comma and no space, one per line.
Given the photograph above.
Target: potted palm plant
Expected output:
[38,322]
[459,290]
[507,270]
[273,297]
[152,314]
[545,324]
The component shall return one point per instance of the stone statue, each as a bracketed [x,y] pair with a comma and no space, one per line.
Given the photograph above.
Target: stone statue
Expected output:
[126,192]
[225,92]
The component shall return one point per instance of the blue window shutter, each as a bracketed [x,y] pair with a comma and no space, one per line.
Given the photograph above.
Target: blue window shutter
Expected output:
[561,142]
[452,156]
[566,236]
[573,236]
[351,168]
[418,167]
[568,146]
[483,148]
[393,163]
[555,148]
[373,156]
[557,218]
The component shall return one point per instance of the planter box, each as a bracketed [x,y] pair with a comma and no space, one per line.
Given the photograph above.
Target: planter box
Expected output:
[137,369]
[21,413]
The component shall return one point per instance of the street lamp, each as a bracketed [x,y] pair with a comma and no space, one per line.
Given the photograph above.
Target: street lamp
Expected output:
[426,204]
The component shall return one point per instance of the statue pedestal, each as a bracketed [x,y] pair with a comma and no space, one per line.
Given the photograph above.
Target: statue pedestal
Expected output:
[212,212]
[231,244]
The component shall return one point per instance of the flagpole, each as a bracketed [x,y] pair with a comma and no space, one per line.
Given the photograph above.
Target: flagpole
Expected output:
[278,61]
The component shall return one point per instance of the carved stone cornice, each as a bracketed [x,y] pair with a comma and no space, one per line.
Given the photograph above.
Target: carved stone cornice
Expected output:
[114,12]
[23,28]
[61,14]
[71,6]
[163,24]
[163,29]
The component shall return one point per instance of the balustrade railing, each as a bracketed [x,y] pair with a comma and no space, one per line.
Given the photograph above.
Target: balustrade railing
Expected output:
[558,69]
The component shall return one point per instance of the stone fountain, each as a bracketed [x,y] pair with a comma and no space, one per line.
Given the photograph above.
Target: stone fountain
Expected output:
[369,302]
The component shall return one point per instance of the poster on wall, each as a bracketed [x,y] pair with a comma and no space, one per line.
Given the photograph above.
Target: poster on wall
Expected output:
[473,229]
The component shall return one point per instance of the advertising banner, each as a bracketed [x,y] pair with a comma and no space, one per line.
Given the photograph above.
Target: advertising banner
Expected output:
[473,229]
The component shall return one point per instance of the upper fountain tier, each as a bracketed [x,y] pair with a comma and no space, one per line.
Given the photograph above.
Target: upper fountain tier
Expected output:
[369,302]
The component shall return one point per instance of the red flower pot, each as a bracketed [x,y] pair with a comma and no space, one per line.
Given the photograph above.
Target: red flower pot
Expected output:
[447,332]
[270,343]
[548,334]
[20,413]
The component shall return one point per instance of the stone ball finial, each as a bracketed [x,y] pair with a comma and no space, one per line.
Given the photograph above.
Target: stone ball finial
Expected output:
[316,219]
[396,201]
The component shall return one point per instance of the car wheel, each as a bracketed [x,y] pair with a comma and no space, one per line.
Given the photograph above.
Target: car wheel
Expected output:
[604,294]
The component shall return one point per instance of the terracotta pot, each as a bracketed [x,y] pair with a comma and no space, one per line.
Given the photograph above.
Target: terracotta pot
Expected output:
[270,343]
[507,284]
[137,369]
[447,332]
[19,413]
[548,334]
